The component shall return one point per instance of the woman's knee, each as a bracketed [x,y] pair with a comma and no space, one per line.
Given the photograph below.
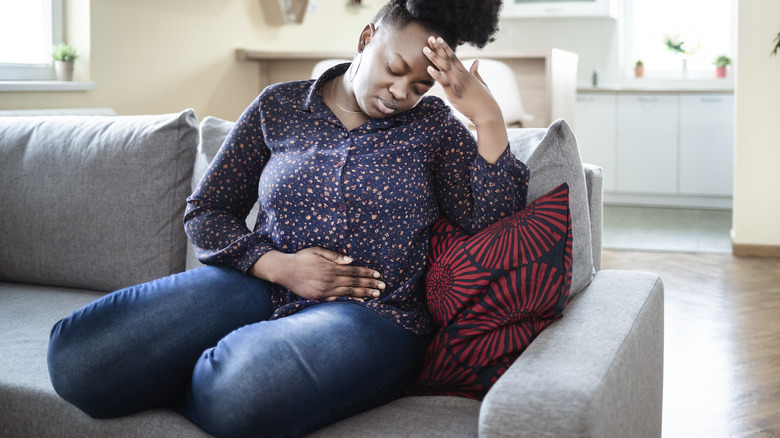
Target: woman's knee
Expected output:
[68,364]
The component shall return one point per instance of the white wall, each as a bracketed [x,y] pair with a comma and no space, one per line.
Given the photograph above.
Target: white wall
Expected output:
[594,40]
[757,153]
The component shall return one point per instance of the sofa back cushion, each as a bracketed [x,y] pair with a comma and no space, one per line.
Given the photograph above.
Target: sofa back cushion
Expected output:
[553,158]
[94,202]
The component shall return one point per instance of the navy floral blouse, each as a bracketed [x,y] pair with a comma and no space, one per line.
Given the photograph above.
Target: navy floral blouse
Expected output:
[371,193]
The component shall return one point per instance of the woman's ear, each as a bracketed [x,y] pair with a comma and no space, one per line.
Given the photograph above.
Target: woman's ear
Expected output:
[365,36]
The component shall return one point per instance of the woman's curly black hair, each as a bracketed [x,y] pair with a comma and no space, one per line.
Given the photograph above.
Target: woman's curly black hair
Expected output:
[456,21]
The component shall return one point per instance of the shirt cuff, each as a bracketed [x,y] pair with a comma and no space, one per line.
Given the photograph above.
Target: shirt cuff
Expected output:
[257,249]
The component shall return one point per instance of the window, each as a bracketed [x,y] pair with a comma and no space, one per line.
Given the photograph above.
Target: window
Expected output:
[28,29]
[705,27]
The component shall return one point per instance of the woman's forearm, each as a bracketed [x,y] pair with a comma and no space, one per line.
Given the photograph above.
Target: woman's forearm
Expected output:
[492,138]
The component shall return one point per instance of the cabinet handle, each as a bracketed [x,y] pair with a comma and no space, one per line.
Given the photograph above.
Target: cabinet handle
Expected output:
[647,99]
[711,99]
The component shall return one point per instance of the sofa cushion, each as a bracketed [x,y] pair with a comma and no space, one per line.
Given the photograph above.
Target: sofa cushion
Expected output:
[489,295]
[553,158]
[29,407]
[94,202]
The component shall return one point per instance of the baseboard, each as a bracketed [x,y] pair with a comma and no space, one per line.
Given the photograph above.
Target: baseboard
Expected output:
[675,201]
[744,250]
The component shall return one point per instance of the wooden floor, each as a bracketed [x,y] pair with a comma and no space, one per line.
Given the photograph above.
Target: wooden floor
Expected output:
[722,341]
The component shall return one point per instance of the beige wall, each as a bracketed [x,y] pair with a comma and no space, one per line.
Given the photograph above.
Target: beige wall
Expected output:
[757,153]
[151,56]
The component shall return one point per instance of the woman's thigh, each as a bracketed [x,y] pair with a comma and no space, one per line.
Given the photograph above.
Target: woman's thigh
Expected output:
[290,376]
[135,349]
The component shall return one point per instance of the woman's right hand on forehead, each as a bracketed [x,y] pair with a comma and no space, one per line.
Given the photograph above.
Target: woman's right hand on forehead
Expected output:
[319,274]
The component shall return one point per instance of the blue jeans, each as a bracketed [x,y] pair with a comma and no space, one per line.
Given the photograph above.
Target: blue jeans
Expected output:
[201,342]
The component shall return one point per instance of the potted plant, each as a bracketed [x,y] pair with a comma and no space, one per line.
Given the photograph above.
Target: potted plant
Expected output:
[721,64]
[64,55]
[639,68]
[678,47]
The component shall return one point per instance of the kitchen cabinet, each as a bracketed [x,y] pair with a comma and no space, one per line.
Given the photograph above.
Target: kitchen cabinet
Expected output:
[559,8]
[659,147]
[647,144]
[707,144]
[596,130]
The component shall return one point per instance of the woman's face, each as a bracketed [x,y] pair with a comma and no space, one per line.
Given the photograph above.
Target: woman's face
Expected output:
[392,76]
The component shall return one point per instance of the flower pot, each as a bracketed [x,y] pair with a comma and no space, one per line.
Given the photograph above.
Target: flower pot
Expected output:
[720,72]
[639,71]
[64,70]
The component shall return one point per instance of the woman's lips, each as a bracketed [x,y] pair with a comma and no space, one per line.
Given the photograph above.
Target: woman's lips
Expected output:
[386,106]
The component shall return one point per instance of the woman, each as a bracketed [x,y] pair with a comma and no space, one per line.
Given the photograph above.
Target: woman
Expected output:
[317,313]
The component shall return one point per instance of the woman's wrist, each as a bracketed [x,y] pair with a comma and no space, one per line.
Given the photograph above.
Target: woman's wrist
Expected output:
[492,139]
[267,266]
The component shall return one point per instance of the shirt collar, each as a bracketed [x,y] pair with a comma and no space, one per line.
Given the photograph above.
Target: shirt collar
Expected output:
[314,91]
[314,102]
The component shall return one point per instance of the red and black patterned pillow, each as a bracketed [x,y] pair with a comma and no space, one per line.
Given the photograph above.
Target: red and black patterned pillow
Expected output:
[489,295]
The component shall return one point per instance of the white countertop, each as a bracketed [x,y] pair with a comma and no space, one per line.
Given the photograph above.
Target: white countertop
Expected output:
[655,90]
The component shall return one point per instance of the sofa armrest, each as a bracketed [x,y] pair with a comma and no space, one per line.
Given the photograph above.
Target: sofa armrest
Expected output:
[598,372]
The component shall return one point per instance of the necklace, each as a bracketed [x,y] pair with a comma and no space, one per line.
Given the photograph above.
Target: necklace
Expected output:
[337,103]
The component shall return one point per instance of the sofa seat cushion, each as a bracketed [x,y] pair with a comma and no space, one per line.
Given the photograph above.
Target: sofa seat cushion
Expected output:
[94,202]
[30,407]
[28,404]
[415,416]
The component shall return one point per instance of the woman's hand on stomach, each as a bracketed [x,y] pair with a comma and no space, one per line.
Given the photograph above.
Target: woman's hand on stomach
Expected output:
[319,274]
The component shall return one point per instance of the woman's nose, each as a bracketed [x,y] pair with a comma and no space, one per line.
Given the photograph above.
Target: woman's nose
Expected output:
[398,89]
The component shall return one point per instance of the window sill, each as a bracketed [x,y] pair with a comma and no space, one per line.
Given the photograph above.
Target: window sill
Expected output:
[45,86]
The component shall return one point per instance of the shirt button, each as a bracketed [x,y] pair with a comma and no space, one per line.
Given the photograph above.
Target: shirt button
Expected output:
[340,163]
[345,134]
[340,207]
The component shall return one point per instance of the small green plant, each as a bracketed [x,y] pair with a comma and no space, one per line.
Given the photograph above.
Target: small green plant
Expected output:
[777,46]
[64,52]
[639,63]
[676,45]
[722,61]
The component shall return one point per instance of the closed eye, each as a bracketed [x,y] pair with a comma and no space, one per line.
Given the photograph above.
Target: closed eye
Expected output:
[390,70]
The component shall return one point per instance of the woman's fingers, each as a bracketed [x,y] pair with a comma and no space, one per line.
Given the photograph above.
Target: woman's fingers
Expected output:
[475,72]
[352,281]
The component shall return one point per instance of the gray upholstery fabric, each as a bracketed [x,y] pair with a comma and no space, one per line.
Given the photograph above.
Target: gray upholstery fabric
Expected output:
[598,372]
[594,181]
[553,158]
[430,417]
[94,202]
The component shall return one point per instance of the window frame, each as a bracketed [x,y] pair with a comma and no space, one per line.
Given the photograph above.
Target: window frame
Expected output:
[37,72]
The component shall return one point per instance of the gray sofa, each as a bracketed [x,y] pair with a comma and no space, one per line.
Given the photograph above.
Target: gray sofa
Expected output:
[90,204]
